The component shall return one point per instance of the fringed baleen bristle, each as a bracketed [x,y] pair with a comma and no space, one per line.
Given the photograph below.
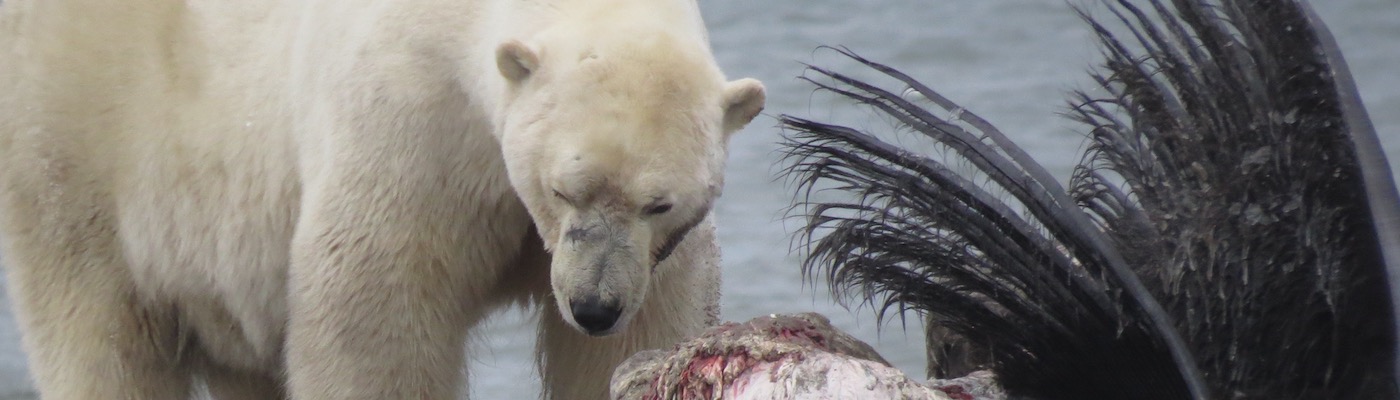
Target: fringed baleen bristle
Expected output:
[1217,241]
[1044,291]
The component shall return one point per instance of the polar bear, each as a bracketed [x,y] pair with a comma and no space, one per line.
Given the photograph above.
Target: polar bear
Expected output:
[318,199]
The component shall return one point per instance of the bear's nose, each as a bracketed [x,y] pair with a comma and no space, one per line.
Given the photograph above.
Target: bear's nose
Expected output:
[593,314]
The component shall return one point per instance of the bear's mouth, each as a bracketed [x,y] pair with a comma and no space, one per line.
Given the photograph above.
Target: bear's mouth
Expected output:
[674,239]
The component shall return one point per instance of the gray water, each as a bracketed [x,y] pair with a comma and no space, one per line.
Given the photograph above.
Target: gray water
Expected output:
[1011,61]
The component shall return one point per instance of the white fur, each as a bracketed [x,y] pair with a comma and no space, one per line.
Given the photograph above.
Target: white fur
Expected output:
[317,199]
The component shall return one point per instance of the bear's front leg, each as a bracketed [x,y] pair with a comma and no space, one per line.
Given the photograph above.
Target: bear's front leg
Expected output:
[393,258]
[683,300]
[375,310]
[407,219]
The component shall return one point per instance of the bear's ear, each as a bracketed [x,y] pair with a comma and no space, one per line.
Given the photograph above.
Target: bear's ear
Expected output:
[516,61]
[743,99]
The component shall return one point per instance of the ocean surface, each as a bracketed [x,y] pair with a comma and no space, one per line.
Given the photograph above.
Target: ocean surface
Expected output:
[1010,61]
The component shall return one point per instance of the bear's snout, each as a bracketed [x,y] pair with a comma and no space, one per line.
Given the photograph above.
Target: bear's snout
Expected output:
[594,315]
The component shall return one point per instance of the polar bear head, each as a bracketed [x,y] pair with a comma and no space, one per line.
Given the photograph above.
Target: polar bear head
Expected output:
[617,151]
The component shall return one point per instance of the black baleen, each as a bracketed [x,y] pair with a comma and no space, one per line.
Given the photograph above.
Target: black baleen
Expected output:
[1229,233]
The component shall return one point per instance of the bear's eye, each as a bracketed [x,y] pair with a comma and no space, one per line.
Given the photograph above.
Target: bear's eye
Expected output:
[657,209]
[562,197]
